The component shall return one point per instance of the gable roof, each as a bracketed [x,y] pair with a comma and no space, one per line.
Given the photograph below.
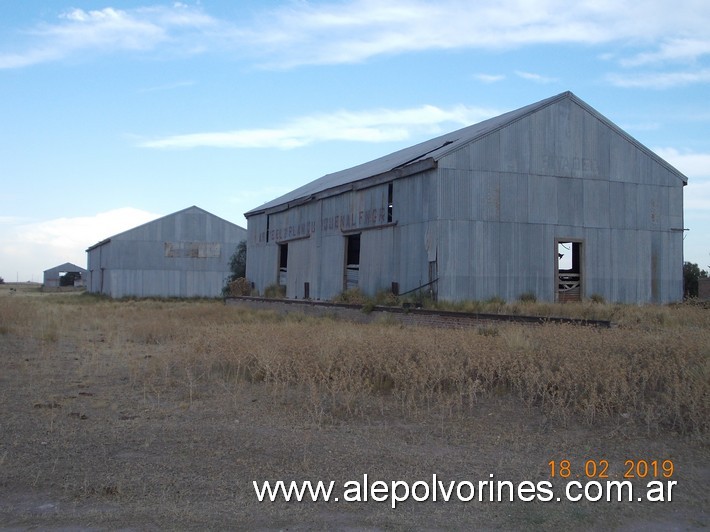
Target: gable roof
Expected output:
[193,209]
[66,267]
[423,156]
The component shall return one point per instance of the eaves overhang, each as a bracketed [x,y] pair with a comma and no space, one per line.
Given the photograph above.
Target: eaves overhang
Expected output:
[400,172]
[98,244]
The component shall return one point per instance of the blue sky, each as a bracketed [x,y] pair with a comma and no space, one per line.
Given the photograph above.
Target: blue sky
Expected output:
[112,114]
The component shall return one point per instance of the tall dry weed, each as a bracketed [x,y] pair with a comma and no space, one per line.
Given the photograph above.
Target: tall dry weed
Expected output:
[18,314]
[659,379]
[653,370]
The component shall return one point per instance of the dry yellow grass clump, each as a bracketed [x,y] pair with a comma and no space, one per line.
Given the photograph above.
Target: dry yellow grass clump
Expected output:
[658,378]
[653,371]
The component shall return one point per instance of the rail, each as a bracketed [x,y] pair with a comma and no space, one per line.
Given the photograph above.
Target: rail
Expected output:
[428,317]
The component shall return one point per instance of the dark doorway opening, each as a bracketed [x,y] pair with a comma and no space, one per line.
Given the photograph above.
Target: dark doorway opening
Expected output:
[69,278]
[569,270]
[352,261]
[283,263]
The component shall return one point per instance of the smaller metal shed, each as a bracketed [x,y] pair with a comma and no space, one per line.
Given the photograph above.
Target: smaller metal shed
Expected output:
[183,254]
[53,275]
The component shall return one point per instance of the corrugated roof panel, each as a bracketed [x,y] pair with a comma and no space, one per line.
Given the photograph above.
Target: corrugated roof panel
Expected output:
[136,231]
[66,267]
[439,147]
[434,148]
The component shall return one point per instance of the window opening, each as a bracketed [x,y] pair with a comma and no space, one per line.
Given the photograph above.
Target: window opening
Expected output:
[569,271]
[352,261]
[283,263]
[390,203]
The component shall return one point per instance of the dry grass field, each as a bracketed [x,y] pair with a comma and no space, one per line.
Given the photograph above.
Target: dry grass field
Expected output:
[160,414]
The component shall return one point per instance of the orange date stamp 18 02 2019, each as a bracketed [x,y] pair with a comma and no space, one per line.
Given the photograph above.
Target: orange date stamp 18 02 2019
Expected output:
[600,469]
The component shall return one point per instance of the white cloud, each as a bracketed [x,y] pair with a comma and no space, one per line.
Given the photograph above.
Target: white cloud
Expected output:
[29,57]
[489,78]
[690,163]
[677,49]
[378,125]
[696,196]
[660,80]
[109,30]
[84,231]
[359,29]
[303,33]
[537,78]
[5,220]
[27,249]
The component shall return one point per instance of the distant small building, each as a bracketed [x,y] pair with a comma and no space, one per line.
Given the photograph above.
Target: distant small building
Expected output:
[53,276]
[184,254]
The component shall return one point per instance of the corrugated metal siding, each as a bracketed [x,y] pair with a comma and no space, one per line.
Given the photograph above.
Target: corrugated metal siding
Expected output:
[513,187]
[631,259]
[261,266]
[596,203]
[185,254]
[455,243]
[332,264]
[299,267]
[595,157]
[515,148]
[513,279]
[377,260]
[675,207]
[570,199]
[460,196]
[320,258]
[484,274]
[536,262]
[561,190]
[542,199]
[597,262]
[490,214]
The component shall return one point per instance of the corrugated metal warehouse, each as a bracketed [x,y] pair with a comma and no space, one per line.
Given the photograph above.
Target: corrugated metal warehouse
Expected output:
[552,199]
[184,254]
[53,275]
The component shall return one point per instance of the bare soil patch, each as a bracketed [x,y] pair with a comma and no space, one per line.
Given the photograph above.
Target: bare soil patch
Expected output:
[130,415]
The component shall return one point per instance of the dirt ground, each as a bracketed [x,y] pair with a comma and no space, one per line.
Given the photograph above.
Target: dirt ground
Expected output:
[86,444]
